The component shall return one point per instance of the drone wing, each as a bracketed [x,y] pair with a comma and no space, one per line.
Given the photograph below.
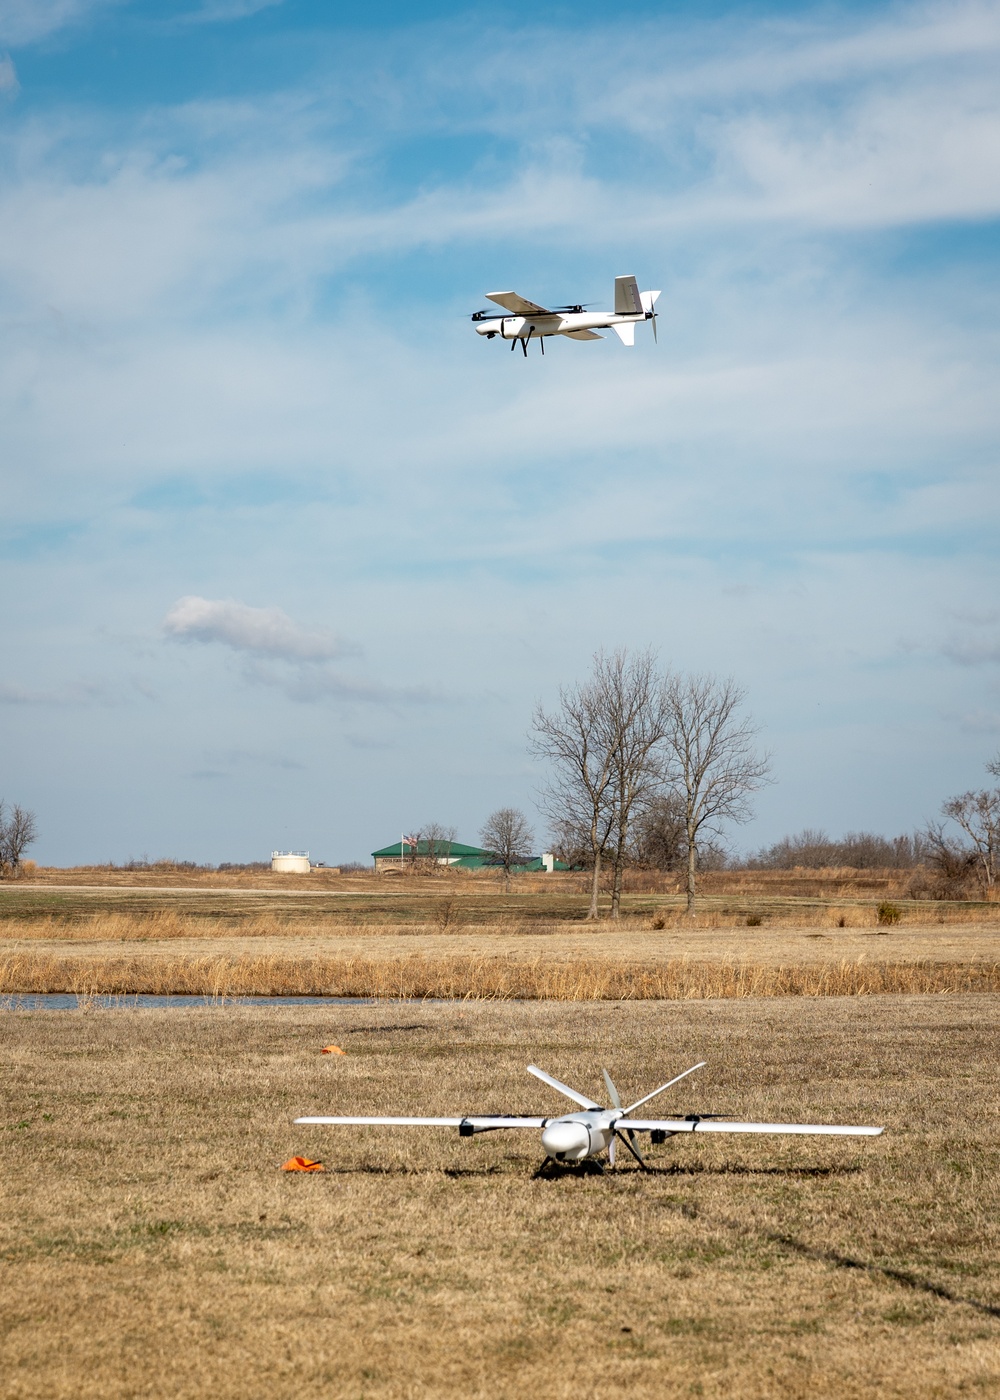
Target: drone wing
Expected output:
[511,301]
[713,1125]
[477,1121]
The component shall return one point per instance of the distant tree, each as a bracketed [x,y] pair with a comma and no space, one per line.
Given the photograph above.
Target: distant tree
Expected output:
[950,863]
[578,794]
[660,835]
[977,814]
[858,850]
[604,741]
[508,838]
[18,829]
[636,700]
[660,839]
[570,843]
[714,764]
[437,841]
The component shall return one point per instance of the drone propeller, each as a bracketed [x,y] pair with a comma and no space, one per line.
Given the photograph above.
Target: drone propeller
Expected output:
[577,306]
[628,1137]
[649,300]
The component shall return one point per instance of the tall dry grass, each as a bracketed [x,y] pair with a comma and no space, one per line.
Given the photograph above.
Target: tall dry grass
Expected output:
[126,926]
[488,978]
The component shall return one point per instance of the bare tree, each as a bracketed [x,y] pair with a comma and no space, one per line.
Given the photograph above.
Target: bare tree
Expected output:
[978,815]
[952,866]
[659,834]
[715,766]
[17,832]
[659,838]
[437,841]
[636,699]
[605,741]
[508,837]
[579,793]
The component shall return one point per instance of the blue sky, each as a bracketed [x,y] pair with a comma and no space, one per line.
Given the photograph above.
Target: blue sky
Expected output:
[288,553]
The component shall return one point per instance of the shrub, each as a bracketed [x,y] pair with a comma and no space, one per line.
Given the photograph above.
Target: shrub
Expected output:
[754,920]
[659,919]
[888,913]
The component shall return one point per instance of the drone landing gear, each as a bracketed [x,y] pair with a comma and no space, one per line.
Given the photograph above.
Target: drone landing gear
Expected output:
[524,342]
[550,1169]
[627,1139]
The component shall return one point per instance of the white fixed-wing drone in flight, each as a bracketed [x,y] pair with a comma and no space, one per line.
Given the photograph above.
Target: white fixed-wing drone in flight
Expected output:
[577,1137]
[526,319]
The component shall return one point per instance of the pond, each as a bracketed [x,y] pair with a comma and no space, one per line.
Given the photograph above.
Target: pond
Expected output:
[70,1001]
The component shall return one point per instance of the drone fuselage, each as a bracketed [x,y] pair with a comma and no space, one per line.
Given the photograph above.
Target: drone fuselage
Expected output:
[575,1136]
[554,323]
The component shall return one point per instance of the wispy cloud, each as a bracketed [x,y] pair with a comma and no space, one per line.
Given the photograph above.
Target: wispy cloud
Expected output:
[225,11]
[27,21]
[969,651]
[259,631]
[70,694]
[9,86]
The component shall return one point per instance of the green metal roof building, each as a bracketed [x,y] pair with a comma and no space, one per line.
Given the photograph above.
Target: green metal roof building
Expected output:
[403,852]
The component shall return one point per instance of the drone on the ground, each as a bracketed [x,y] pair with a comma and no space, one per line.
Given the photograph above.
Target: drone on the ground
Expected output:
[580,1137]
[527,320]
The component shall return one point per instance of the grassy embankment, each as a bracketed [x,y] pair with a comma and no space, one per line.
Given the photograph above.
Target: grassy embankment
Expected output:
[812,933]
[151,1246]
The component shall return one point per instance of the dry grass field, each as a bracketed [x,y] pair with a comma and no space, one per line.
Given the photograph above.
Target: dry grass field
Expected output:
[457,937]
[152,1247]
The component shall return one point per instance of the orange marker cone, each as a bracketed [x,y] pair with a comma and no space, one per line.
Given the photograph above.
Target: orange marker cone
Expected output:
[302,1164]
[333,1050]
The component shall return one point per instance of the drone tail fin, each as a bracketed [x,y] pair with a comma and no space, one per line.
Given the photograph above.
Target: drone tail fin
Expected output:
[627,299]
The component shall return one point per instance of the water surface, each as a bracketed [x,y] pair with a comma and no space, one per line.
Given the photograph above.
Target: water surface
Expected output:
[70,1001]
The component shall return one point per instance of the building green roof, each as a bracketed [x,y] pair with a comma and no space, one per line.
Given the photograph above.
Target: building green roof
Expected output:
[451,849]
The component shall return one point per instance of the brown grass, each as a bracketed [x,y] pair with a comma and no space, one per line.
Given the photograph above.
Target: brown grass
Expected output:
[829,883]
[484,977]
[167,921]
[151,1247]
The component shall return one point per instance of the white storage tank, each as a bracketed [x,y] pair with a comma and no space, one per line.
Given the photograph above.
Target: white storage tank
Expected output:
[291,862]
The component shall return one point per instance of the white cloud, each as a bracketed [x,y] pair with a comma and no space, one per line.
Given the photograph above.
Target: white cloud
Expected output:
[223,11]
[259,631]
[27,21]
[9,86]
[282,655]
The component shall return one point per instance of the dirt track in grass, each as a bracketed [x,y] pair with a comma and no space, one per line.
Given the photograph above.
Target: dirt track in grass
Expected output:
[151,1246]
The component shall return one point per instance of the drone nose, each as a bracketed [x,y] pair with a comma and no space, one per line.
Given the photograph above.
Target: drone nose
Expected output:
[566,1141]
